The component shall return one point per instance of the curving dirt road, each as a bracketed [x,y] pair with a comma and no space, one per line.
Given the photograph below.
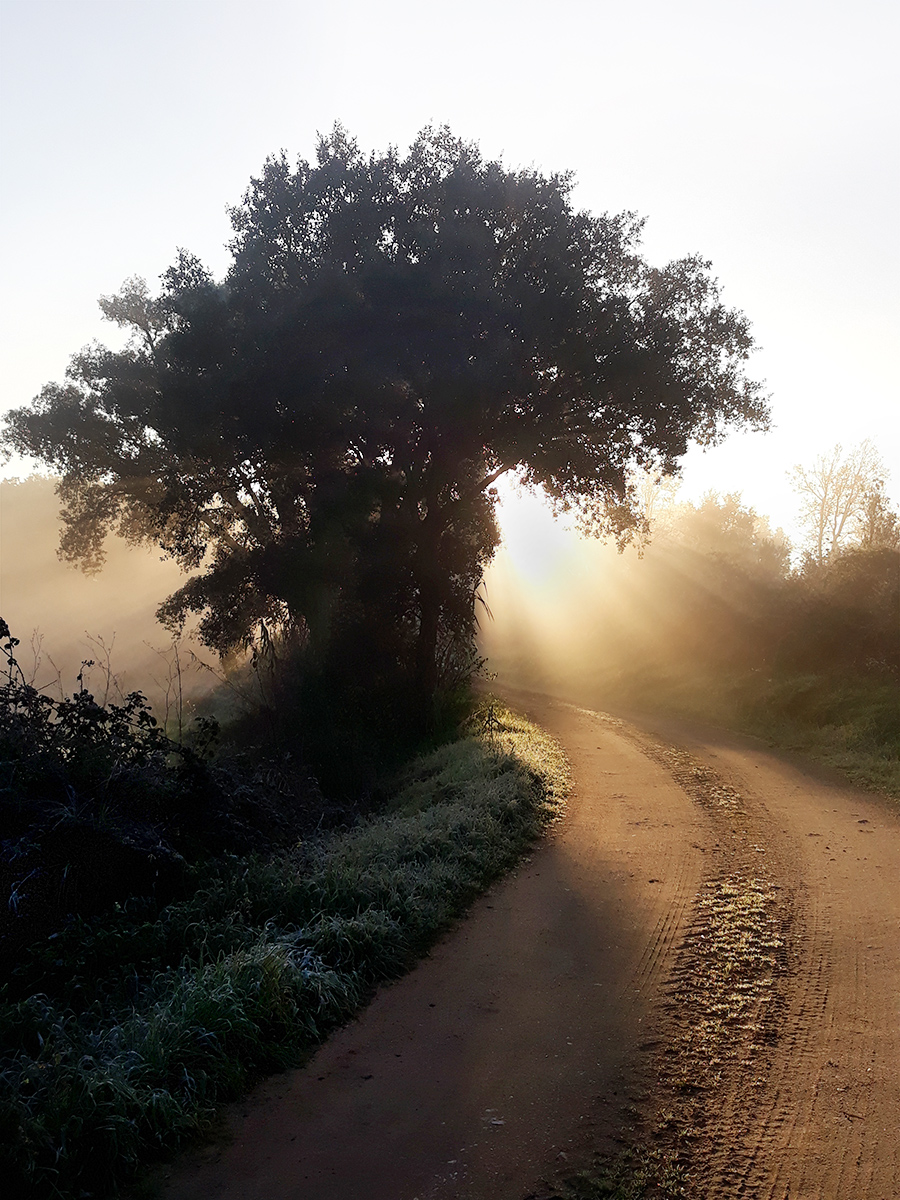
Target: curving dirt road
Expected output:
[704,956]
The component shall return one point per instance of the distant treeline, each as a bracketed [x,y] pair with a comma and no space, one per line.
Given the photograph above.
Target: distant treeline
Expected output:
[716,590]
[712,589]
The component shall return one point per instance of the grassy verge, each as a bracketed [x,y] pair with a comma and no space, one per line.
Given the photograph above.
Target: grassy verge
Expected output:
[849,723]
[121,1035]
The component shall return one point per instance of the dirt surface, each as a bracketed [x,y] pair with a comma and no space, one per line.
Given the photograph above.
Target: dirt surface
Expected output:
[702,957]
[799,1075]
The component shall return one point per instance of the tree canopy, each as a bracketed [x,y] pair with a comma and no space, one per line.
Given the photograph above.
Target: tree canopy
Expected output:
[316,435]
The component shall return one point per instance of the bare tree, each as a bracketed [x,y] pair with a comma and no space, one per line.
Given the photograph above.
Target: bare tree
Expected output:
[111,682]
[172,688]
[835,493]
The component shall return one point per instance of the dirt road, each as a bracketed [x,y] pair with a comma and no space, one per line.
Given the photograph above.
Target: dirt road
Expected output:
[704,956]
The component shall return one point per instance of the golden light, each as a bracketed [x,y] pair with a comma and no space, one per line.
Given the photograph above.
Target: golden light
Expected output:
[536,545]
[560,603]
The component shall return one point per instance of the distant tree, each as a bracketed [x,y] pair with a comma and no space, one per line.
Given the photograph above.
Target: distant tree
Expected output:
[715,579]
[842,616]
[317,435]
[841,498]
[877,525]
[723,528]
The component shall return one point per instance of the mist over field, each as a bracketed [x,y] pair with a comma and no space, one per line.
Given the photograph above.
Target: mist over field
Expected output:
[715,615]
[571,612]
[709,590]
[63,617]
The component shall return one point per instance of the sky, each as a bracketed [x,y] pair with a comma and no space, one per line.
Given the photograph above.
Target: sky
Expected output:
[763,136]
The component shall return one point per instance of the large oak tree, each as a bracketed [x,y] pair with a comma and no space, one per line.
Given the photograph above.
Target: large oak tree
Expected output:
[316,435]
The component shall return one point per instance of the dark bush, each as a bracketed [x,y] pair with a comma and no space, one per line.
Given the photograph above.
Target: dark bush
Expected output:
[98,806]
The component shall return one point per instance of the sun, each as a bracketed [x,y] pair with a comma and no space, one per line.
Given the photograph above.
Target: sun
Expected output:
[536,545]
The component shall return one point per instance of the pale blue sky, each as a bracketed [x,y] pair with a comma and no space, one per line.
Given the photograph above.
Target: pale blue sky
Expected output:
[763,135]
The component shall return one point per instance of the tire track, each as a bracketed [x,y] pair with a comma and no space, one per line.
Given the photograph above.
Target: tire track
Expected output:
[798,1096]
[724,997]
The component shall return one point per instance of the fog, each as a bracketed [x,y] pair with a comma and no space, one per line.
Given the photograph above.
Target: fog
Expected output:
[63,617]
[558,603]
[573,615]
[563,607]
[711,592]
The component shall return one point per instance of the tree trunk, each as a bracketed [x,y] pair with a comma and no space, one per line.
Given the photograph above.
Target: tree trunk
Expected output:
[428,584]
[426,645]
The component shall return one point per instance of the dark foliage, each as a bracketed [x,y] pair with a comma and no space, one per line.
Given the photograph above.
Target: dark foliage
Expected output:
[842,615]
[97,806]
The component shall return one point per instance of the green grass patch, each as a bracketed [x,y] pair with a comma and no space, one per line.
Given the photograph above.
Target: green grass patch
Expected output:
[121,1035]
[850,723]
